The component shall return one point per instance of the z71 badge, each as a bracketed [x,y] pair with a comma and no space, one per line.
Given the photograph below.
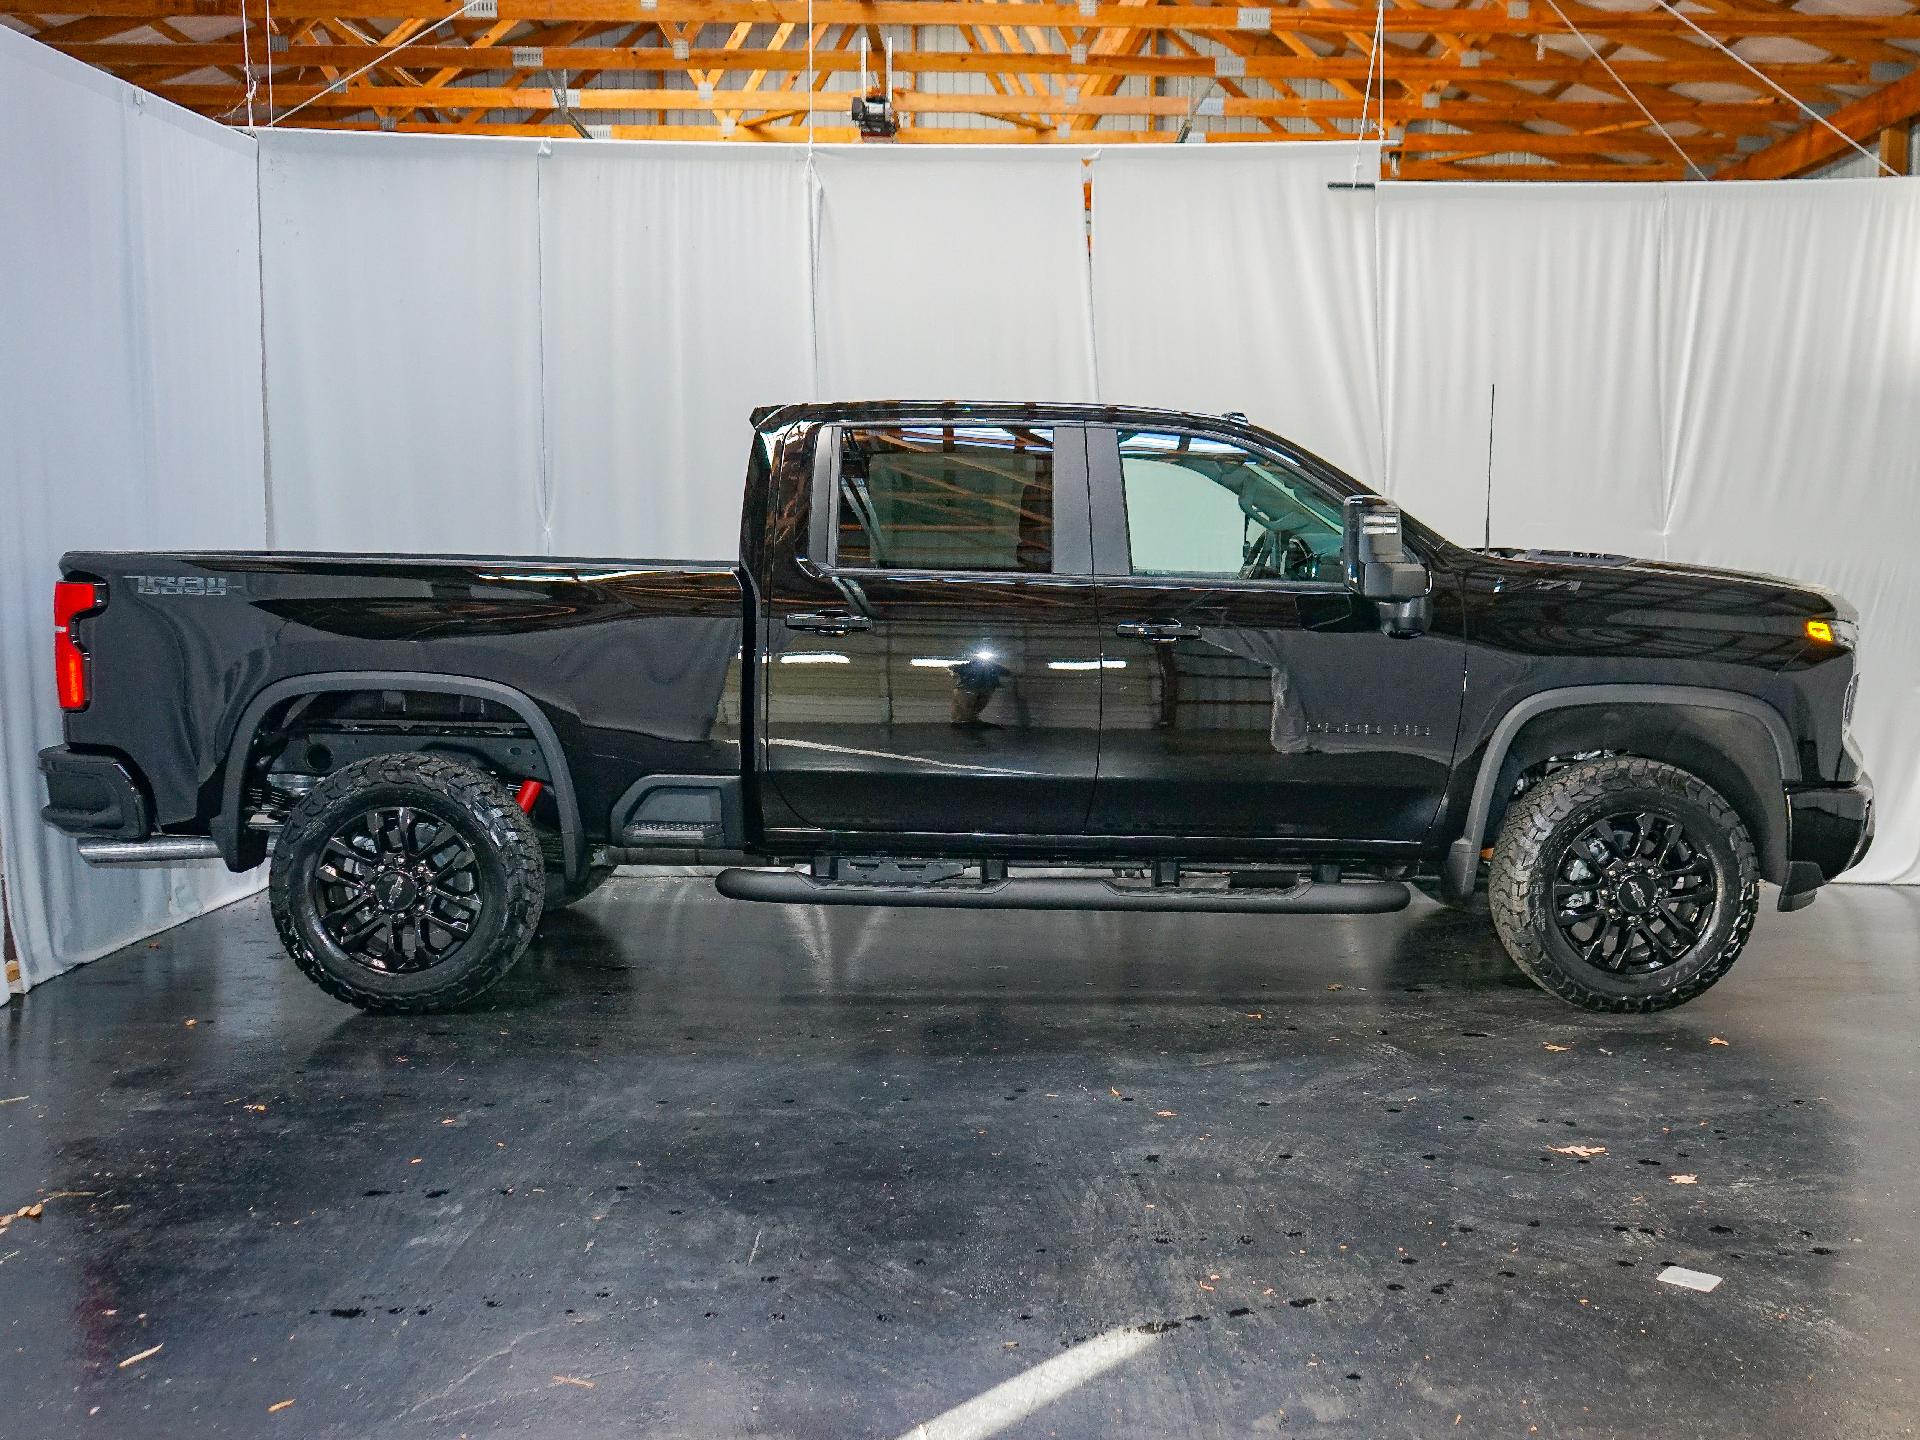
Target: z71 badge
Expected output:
[204,585]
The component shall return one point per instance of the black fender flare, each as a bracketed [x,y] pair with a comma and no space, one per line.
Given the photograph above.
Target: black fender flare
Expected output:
[1463,855]
[226,824]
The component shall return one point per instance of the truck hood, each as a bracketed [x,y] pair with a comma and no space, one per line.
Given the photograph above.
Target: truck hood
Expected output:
[1684,585]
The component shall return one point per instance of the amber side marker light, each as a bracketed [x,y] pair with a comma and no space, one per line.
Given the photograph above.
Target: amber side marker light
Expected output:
[1820,630]
[71,598]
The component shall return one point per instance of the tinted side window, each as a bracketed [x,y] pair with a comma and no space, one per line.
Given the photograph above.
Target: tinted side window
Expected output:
[1206,507]
[946,497]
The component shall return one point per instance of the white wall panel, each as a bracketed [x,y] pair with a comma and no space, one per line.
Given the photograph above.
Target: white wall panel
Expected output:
[1792,351]
[130,418]
[402,297]
[676,299]
[957,274]
[472,345]
[1232,278]
[1550,293]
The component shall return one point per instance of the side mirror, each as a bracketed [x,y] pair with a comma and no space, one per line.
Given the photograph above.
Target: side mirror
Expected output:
[1378,566]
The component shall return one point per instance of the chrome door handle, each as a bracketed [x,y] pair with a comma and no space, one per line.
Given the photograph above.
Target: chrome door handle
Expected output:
[1163,631]
[828,622]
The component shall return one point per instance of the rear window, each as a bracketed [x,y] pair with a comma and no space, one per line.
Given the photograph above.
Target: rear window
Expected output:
[946,497]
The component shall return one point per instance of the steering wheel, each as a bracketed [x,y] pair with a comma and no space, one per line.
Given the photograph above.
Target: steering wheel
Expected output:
[1297,560]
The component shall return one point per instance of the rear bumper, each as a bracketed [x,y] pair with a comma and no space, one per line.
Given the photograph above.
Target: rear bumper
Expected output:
[93,796]
[1829,830]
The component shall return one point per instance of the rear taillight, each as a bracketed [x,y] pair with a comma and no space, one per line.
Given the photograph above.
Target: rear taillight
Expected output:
[72,599]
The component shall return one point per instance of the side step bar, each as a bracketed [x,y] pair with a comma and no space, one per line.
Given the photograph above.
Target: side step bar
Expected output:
[159,850]
[1310,897]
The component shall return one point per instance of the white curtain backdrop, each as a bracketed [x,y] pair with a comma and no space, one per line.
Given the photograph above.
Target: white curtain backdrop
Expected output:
[675,299]
[952,274]
[1791,355]
[1232,278]
[130,417]
[402,295]
[552,347]
[1539,303]
[1723,374]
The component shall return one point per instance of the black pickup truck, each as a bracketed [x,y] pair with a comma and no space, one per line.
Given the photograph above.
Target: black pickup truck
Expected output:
[978,656]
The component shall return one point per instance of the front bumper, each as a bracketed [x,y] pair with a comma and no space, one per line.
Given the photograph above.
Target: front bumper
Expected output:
[1829,830]
[92,796]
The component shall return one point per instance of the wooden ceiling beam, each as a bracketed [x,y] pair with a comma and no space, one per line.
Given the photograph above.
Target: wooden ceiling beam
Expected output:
[1733,15]
[87,28]
[796,134]
[1640,75]
[540,98]
[1108,15]
[1814,145]
[1235,91]
[1734,118]
[983,40]
[1116,44]
[1641,142]
[1466,85]
[1564,170]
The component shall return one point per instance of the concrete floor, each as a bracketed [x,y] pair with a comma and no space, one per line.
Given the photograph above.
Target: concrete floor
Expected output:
[707,1169]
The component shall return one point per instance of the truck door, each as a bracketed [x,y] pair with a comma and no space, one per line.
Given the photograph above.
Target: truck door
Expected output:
[1247,693]
[937,670]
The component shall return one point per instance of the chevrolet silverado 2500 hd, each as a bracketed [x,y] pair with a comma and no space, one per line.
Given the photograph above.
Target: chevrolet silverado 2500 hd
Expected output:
[1169,660]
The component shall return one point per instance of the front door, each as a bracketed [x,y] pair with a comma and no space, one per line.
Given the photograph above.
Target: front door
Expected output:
[939,671]
[1248,693]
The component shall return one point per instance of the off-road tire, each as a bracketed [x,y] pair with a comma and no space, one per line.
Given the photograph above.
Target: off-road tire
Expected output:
[510,880]
[1535,836]
[559,893]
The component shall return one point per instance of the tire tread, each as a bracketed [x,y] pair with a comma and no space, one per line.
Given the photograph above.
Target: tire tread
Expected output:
[1520,851]
[503,822]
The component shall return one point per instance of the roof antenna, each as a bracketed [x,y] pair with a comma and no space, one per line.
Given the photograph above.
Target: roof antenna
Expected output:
[1493,392]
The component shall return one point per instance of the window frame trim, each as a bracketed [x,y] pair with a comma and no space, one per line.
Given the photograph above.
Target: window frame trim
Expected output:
[1071,540]
[1113,550]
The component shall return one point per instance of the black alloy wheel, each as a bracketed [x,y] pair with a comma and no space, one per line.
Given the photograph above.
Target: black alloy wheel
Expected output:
[1623,884]
[407,882]
[397,888]
[1633,893]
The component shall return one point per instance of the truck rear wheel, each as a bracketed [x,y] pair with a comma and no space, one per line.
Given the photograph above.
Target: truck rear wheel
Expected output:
[1623,884]
[407,883]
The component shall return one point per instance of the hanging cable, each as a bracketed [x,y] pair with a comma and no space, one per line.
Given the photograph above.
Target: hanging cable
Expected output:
[1380,44]
[1626,90]
[1193,108]
[385,57]
[1769,81]
[1374,55]
[809,81]
[269,62]
[246,64]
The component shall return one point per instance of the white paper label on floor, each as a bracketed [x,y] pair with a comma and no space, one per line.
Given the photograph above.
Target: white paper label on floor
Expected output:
[1688,1279]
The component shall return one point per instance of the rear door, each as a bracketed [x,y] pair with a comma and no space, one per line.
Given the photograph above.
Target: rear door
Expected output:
[1247,692]
[937,668]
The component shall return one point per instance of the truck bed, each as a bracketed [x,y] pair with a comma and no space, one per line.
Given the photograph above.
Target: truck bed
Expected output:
[635,665]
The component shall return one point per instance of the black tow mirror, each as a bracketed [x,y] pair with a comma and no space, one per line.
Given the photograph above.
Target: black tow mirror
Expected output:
[1378,566]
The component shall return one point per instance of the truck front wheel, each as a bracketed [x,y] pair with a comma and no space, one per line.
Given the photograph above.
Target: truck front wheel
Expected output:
[407,883]
[1623,884]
